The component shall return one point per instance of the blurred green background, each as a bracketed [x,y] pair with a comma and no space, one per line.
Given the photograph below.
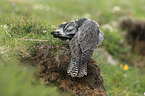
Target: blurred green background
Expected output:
[35,19]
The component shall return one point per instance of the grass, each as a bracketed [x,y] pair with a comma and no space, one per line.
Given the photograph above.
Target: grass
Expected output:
[20,80]
[121,82]
[27,22]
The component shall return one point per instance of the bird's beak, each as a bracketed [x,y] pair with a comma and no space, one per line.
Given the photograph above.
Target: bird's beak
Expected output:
[58,32]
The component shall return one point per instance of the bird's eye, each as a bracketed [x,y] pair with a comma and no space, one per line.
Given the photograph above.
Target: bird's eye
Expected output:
[70,28]
[65,31]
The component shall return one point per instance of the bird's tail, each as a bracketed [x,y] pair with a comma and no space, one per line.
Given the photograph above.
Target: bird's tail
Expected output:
[73,69]
[82,70]
[77,71]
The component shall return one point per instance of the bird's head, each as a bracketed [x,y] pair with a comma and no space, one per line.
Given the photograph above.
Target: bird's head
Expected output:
[65,31]
[68,30]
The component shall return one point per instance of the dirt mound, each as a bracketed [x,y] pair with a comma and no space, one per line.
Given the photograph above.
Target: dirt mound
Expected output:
[135,34]
[53,67]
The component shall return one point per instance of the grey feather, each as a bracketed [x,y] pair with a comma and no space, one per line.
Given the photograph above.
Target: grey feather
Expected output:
[84,35]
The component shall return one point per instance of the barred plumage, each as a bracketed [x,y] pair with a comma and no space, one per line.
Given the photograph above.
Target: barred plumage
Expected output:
[84,36]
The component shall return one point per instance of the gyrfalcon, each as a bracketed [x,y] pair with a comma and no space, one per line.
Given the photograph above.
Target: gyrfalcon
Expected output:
[84,35]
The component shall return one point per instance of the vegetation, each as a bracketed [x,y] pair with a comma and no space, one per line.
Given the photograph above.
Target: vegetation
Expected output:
[27,22]
[17,80]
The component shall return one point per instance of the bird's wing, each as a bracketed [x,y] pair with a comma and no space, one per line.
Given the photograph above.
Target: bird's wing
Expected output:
[86,56]
[88,35]
[73,68]
[84,60]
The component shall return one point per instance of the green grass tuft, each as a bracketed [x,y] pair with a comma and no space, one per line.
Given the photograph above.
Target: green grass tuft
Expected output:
[18,80]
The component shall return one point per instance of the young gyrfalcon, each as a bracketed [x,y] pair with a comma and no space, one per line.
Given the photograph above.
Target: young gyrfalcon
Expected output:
[84,36]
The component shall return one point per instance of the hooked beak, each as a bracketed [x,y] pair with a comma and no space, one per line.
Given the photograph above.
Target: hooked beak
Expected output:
[60,34]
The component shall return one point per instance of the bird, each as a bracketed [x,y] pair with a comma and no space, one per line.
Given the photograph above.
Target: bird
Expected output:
[84,36]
